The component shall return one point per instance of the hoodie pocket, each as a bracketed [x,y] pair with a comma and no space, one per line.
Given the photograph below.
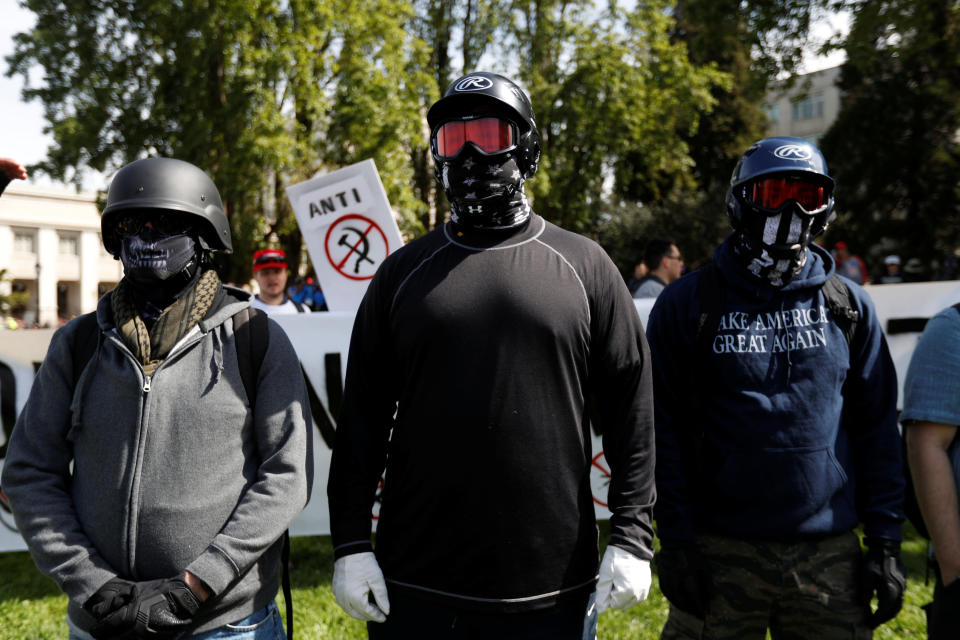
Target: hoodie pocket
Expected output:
[782,488]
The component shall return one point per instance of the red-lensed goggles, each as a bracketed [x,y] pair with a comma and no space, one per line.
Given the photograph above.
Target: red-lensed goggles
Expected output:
[772,193]
[490,134]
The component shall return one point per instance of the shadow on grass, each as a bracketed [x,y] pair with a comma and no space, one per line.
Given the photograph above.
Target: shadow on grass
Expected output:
[311,561]
[21,579]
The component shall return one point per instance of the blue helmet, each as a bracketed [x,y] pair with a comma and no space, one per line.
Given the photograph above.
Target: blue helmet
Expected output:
[785,157]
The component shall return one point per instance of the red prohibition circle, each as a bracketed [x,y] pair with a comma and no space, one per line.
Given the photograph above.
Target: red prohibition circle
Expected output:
[372,226]
[603,470]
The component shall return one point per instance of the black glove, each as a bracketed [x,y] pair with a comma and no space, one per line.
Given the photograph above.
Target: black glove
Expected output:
[684,577]
[884,574]
[111,597]
[160,609]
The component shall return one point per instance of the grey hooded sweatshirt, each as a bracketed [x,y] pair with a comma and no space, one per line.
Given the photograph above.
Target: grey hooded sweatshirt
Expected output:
[143,477]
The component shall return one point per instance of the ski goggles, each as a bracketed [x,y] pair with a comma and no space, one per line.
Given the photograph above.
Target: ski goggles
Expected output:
[490,134]
[771,194]
[166,223]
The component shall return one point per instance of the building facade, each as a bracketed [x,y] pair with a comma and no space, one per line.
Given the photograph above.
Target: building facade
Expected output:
[805,108]
[50,249]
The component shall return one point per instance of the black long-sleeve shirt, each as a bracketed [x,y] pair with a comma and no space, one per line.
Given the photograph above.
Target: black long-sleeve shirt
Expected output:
[478,362]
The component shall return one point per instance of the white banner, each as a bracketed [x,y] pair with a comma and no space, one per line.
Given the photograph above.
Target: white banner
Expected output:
[349,229]
[322,342]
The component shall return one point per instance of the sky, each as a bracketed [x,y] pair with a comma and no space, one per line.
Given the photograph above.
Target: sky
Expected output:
[21,124]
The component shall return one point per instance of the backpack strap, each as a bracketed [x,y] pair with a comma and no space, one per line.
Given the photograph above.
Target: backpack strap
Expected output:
[838,298]
[252,334]
[85,342]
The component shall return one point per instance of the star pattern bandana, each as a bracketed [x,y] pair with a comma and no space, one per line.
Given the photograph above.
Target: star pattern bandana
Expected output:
[485,190]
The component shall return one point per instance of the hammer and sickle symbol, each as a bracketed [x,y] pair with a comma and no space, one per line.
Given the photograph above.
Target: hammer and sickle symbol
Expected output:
[362,254]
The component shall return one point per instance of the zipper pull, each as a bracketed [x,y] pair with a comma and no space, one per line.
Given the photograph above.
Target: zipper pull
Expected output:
[146,384]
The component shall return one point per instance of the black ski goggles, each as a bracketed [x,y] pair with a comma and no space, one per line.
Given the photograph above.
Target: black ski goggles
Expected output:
[165,223]
[490,134]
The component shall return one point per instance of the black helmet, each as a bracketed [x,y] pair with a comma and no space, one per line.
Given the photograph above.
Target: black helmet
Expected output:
[172,185]
[782,155]
[504,96]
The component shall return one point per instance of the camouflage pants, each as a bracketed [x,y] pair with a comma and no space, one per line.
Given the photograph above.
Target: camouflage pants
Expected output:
[797,590]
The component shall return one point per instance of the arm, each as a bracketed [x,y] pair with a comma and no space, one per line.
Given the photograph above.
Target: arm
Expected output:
[672,362]
[283,432]
[363,427]
[870,416]
[935,484]
[622,409]
[37,479]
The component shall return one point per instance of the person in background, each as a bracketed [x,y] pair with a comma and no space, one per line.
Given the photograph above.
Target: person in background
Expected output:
[639,271]
[270,271]
[931,415]
[311,295]
[914,271]
[891,271]
[142,477]
[10,170]
[776,423]
[849,265]
[665,264]
[483,354]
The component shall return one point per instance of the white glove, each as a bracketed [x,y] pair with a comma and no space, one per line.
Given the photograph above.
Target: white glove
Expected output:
[354,578]
[624,580]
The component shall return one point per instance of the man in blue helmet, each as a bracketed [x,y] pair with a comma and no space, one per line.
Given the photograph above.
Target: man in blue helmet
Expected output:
[776,424]
[482,355]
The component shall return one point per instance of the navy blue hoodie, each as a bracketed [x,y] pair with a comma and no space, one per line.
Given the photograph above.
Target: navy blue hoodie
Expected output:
[779,430]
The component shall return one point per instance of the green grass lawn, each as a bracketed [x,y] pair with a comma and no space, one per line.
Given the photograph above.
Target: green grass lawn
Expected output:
[31,607]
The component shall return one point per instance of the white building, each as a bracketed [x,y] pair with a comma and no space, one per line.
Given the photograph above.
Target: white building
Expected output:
[50,247]
[806,108]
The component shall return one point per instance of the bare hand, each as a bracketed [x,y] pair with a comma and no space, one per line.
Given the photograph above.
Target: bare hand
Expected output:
[12,169]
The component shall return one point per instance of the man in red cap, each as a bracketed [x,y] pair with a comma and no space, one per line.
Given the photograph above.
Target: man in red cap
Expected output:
[270,272]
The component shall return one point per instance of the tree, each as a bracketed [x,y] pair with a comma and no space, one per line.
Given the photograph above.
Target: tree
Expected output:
[610,95]
[895,146]
[242,88]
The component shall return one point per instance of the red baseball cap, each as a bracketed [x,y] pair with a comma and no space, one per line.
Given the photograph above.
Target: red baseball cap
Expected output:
[269,259]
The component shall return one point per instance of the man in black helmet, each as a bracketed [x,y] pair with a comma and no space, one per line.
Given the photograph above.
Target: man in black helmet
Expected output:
[190,456]
[776,425]
[482,355]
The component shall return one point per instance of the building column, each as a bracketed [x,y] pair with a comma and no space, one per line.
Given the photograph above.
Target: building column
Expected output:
[6,249]
[48,248]
[89,270]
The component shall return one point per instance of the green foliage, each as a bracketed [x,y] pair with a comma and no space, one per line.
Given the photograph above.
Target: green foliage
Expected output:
[894,148]
[260,93]
[696,222]
[644,106]
[32,607]
[610,95]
